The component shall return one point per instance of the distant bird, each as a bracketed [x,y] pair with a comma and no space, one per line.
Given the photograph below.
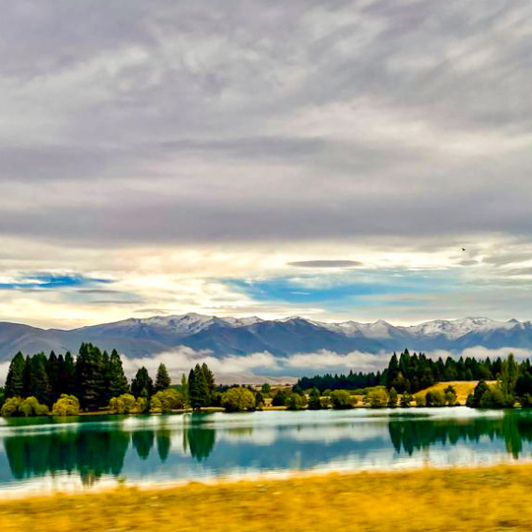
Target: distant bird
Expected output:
[463,249]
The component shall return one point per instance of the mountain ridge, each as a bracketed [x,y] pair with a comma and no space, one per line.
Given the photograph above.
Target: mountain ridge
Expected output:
[221,336]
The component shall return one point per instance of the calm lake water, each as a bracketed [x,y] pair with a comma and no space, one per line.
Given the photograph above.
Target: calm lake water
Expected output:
[42,455]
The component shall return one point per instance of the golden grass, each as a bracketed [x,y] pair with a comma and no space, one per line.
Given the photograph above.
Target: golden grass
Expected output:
[486,499]
[463,388]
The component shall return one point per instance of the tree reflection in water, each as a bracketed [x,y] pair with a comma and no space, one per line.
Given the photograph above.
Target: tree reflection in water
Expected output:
[91,453]
[199,437]
[409,435]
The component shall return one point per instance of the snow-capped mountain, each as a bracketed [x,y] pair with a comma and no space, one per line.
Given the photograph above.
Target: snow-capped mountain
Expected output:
[239,336]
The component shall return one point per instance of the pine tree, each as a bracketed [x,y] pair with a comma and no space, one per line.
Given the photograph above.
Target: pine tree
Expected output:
[90,377]
[68,374]
[142,385]
[198,388]
[15,377]
[209,377]
[162,381]
[53,372]
[118,383]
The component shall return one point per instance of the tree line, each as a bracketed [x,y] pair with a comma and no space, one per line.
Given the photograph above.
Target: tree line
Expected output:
[409,373]
[93,378]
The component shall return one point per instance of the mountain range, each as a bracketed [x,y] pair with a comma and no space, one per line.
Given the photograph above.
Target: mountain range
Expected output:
[282,337]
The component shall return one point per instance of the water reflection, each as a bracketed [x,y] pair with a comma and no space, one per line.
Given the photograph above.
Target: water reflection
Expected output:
[192,446]
[199,437]
[409,435]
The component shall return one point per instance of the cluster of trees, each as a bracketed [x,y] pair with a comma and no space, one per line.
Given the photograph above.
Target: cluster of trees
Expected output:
[514,386]
[90,381]
[409,373]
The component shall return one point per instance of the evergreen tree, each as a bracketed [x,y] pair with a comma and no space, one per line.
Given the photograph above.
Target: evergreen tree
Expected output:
[15,377]
[314,402]
[68,374]
[142,385]
[198,388]
[209,377]
[162,380]
[54,378]
[36,379]
[118,383]
[185,390]
[90,377]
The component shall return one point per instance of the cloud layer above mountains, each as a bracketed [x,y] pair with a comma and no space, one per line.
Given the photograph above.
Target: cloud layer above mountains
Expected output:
[188,153]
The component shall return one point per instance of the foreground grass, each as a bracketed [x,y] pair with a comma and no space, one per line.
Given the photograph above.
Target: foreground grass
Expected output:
[488,499]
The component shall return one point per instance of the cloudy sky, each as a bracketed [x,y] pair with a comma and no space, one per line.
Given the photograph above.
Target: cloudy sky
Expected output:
[322,158]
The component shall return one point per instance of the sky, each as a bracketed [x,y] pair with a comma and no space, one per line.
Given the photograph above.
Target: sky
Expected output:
[327,159]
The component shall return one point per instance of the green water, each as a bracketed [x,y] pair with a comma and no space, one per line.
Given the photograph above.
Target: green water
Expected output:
[41,455]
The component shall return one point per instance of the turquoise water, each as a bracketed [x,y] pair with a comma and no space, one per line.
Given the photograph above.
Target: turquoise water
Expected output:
[42,455]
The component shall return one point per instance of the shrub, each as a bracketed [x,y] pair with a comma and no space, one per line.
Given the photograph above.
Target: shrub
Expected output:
[166,401]
[124,404]
[10,407]
[420,400]
[377,398]
[15,406]
[296,401]
[341,400]
[279,399]
[450,396]
[406,400]
[392,398]
[238,400]
[435,398]
[314,402]
[66,405]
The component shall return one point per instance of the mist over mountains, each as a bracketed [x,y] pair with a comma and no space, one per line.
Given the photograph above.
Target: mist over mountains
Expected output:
[222,337]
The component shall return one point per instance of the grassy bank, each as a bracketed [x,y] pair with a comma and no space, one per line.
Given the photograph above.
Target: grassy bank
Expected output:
[494,498]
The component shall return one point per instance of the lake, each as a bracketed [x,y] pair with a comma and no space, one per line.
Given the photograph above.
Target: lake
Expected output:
[40,454]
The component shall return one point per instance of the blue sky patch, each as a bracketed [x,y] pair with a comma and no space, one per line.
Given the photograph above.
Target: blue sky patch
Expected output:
[43,281]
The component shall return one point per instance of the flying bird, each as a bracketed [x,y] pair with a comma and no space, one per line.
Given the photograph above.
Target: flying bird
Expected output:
[463,249]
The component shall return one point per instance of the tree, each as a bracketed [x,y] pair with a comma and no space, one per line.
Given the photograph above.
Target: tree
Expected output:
[118,384]
[406,400]
[125,404]
[162,380]
[66,405]
[508,380]
[392,398]
[184,390]
[167,400]
[54,377]
[68,374]
[36,379]
[451,399]
[238,399]
[142,385]
[15,377]
[90,377]
[295,401]
[377,398]
[209,377]
[259,401]
[198,388]
[266,389]
[11,406]
[341,399]
[435,398]
[314,402]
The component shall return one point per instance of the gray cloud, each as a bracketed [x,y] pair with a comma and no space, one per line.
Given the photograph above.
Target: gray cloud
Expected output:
[325,264]
[178,123]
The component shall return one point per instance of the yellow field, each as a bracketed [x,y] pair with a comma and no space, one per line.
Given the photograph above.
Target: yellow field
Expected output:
[463,388]
[488,499]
